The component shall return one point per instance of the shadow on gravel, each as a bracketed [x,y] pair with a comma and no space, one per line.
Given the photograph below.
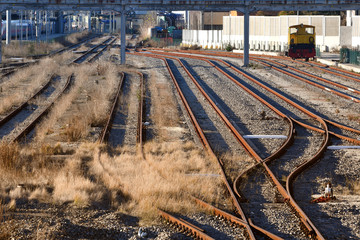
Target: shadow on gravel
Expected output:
[215,139]
[228,111]
[329,217]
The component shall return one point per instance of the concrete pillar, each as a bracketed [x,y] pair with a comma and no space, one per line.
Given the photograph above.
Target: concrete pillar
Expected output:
[69,23]
[113,23]
[0,38]
[46,26]
[89,21]
[61,22]
[348,18]
[246,37]
[21,26]
[8,27]
[187,20]
[110,22]
[27,28]
[123,39]
[37,32]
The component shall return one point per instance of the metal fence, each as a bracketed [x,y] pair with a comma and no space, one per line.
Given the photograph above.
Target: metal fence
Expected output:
[350,56]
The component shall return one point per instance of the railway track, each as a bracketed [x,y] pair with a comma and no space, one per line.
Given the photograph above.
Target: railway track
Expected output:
[23,119]
[12,70]
[323,147]
[103,45]
[206,144]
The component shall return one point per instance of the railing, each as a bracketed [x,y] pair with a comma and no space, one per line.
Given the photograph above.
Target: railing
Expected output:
[350,56]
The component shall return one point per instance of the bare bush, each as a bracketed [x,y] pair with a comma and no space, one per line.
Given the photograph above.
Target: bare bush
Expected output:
[172,172]
[15,49]
[9,154]
[149,21]
[77,128]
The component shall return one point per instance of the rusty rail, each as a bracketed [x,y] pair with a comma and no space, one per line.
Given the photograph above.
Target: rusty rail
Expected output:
[24,104]
[204,141]
[309,113]
[185,226]
[139,135]
[310,228]
[105,132]
[42,113]
[323,68]
[343,95]
[92,59]
[90,51]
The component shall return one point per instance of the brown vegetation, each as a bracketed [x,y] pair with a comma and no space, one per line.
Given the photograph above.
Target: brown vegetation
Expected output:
[164,108]
[25,82]
[92,91]
[15,49]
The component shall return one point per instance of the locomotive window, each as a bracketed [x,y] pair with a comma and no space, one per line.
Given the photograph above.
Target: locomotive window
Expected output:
[309,30]
[293,30]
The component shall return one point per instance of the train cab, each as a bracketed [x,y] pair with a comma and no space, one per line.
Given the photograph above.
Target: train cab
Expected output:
[301,41]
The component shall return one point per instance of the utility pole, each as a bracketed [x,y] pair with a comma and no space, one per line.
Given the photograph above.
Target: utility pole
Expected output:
[8,27]
[123,38]
[0,37]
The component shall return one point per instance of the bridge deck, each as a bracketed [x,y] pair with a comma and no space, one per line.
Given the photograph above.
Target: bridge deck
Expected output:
[218,5]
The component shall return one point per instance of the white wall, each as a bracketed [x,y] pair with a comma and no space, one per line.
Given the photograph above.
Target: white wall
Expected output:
[356,31]
[269,33]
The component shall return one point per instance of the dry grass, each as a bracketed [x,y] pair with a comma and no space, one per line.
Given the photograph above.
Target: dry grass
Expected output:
[76,37]
[4,232]
[76,129]
[351,187]
[164,107]
[24,83]
[9,154]
[15,49]
[75,116]
[354,117]
[172,172]
[235,162]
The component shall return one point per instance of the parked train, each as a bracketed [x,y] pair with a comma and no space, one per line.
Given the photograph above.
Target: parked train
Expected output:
[27,26]
[301,42]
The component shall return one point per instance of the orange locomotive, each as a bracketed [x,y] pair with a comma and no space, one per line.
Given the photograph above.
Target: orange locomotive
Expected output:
[301,41]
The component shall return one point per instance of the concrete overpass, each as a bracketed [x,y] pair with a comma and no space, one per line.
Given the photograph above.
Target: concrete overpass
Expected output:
[122,6]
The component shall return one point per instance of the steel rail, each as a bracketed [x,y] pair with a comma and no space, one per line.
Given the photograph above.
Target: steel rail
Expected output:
[316,77]
[46,55]
[323,68]
[71,46]
[185,226]
[305,220]
[357,100]
[233,219]
[92,59]
[239,55]
[341,126]
[300,78]
[90,51]
[24,104]
[313,115]
[105,132]
[43,112]
[139,135]
[204,142]
[286,194]
[292,176]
